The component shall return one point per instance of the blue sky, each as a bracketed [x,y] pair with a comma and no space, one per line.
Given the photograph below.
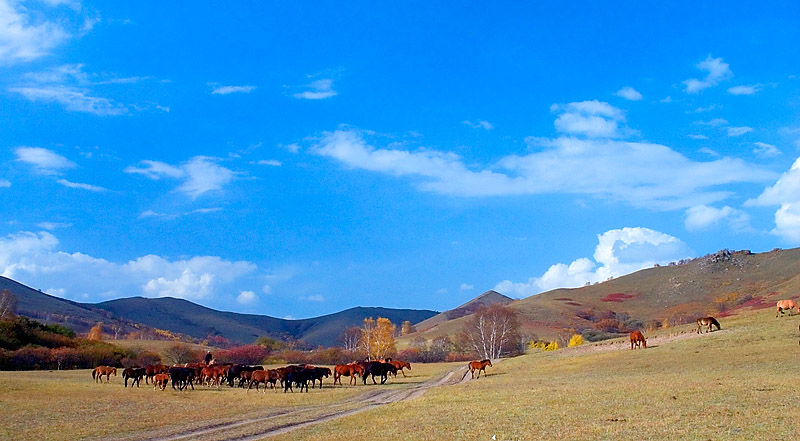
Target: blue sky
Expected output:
[299,159]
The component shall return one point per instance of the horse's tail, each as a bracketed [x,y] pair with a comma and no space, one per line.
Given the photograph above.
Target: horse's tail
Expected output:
[465,374]
[94,373]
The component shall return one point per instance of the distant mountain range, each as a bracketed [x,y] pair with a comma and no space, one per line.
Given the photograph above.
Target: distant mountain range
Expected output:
[184,317]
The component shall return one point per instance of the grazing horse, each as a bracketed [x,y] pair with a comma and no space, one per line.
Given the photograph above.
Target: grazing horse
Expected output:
[134,374]
[160,381]
[99,371]
[400,365]
[708,322]
[786,305]
[347,370]
[637,340]
[479,366]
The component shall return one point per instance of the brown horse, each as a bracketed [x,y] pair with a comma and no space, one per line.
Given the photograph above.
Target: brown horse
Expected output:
[708,322]
[99,371]
[347,370]
[160,381]
[479,366]
[637,340]
[400,365]
[786,305]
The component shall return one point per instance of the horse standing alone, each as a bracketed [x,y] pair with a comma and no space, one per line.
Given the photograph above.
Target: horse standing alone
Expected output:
[637,340]
[479,366]
[99,371]
[786,305]
[708,322]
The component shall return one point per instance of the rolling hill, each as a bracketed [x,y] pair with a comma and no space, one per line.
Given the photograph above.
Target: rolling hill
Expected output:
[488,298]
[183,317]
[718,284]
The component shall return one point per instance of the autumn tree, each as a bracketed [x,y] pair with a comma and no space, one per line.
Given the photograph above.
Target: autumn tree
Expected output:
[407,328]
[8,304]
[96,333]
[492,331]
[377,338]
[180,353]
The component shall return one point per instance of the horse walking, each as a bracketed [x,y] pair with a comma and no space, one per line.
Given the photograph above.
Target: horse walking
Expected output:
[637,340]
[479,366]
[99,371]
[708,322]
[786,305]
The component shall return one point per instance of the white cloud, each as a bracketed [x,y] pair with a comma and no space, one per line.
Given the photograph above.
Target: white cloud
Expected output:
[786,194]
[226,90]
[442,291]
[25,37]
[486,125]
[666,100]
[466,287]
[716,122]
[294,148]
[717,71]
[739,131]
[72,98]
[320,90]
[312,298]
[34,259]
[269,162]
[247,298]
[81,186]
[764,150]
[642,174]
[4,183]
[618,252]
[704,109]
[172,216]
[697,136]
[746,89]
[629,93]
[200,174]
[51,226]
[703,217]
[592,119]
[44,161]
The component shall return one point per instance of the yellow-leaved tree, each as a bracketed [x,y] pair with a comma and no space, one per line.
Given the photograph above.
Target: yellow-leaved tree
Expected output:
[377,338]
[96,333]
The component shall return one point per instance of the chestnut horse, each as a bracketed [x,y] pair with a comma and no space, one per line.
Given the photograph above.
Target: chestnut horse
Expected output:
[160,381]
[400,365]
[479,366]
[347,370]
[786,305]
[637,340]
[99,371]
[708,322]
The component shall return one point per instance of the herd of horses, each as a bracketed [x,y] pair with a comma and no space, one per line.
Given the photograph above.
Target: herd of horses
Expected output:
[214,375]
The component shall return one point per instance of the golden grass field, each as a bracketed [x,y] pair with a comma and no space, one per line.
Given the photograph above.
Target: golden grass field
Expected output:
[742,383]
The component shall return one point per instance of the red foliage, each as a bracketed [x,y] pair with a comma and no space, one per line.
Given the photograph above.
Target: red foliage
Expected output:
[565,299]
[617,297]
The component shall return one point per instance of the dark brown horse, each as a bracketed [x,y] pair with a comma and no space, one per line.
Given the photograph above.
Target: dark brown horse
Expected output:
[786,305]
[637,340]
[347,370]
[708,322]
[134,374]
[479,366]
[99,371]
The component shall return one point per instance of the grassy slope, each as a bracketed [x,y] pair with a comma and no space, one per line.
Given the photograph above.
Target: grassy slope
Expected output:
[740,384]
[659,293]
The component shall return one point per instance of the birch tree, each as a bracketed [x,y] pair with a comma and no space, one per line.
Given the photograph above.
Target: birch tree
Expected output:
[492,331]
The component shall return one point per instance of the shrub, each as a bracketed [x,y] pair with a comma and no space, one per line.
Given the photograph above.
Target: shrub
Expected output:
[552,346]
[576,340]
[247,354]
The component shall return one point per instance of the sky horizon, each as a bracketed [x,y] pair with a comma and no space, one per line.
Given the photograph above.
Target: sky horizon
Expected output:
[299,160]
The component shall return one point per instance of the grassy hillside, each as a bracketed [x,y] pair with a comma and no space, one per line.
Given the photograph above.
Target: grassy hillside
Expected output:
[718,284]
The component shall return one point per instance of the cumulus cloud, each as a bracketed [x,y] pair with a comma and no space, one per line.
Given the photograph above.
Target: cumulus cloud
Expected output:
[25,36]
[745,89]
[466,287]
[642,174]
[693,136]
[629,93]
[717,70]
[764,150]
[35,259]
[618,252]
[716,122]
[785,193]
[4,183]
[270,162]
[703,217]
[200,174]
[43,160]
[247,298]
[739,131]
[592,119]
[227,90]
[486,125]
[318,90]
